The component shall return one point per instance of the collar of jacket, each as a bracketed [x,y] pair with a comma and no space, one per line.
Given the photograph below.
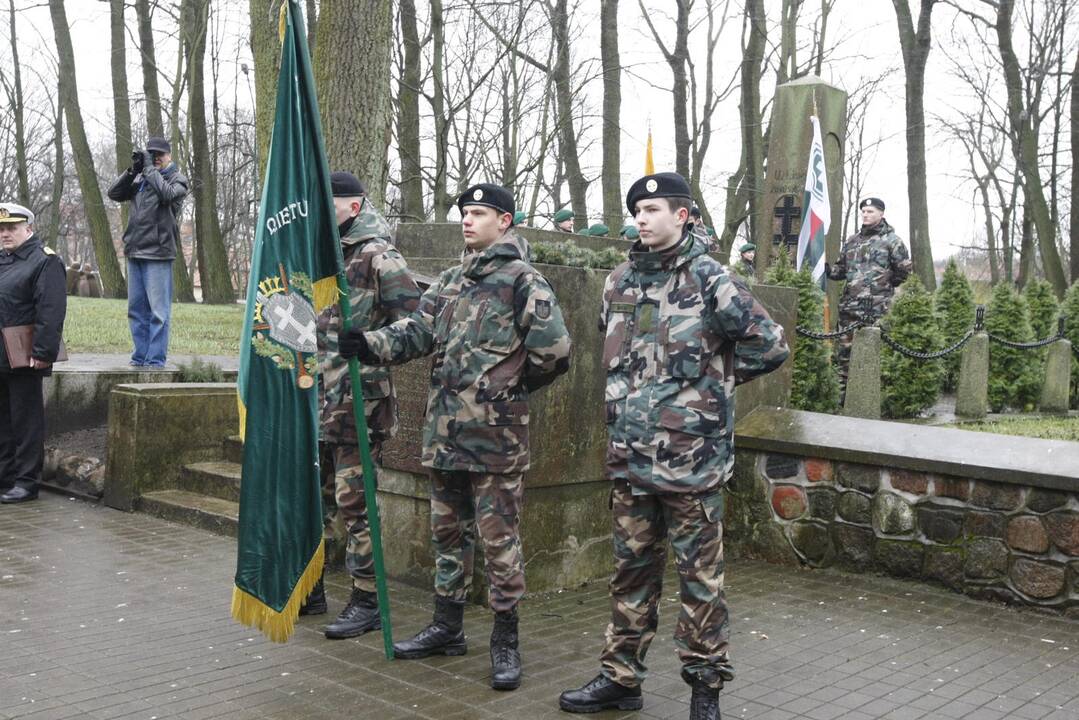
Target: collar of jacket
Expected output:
[645,260]
[369,224]
[24,250]
[881,228]
[510,246]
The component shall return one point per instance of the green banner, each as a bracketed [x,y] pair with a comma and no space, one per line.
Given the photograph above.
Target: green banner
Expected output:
[294,269]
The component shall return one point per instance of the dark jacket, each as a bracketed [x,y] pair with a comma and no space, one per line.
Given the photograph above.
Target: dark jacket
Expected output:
[32,293]
[153,230]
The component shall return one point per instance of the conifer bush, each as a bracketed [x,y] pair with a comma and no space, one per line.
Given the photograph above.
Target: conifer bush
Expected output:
[953,304]
[815,382]
[572,254]
[910,386]
[1041,308]
[1070,309]
[1014,375]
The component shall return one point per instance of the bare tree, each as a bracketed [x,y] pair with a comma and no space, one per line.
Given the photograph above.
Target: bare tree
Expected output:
[754,37]
[1074,227]
[121,108]
[612,108]
[408,115]
[915,43]
[148,56]
[677,57]
[93,203]
[266,50]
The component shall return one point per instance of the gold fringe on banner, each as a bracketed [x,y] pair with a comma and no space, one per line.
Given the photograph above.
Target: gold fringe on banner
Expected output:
[278,626]
[243,415]
[326,293]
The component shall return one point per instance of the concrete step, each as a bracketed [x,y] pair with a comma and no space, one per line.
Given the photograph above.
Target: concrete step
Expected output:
[234,449]
[215,478]
[188,508]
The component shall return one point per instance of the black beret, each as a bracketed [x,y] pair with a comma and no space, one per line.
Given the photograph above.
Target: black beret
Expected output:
[158,144]
[660,185]
[872,202]
[489,195]
[345,184]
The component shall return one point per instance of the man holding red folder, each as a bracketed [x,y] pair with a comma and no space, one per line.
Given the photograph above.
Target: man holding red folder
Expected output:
[32,309]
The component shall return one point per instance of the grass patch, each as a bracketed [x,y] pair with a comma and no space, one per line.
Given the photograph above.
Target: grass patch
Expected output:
[100,326]
[1048,428]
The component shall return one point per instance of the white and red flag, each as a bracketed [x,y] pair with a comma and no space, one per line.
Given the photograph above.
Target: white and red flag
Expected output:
[816,210]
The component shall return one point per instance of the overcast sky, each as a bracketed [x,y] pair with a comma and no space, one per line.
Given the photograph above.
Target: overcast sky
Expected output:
[868,47]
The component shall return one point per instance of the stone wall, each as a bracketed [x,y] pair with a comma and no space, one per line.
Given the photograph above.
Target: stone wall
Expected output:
[992,516]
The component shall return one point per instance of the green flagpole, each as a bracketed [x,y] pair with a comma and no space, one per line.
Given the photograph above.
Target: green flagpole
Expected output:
[374,524]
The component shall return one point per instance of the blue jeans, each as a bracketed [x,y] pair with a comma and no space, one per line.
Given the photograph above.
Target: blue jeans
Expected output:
[149,306]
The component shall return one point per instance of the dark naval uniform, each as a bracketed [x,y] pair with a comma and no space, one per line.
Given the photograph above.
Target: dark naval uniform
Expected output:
[32,283]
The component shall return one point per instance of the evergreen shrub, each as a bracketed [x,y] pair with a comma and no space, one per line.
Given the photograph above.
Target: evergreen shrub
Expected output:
[1014,375]
[1070,309]
[572,254]
[953,304]
[910,386]
[815,382]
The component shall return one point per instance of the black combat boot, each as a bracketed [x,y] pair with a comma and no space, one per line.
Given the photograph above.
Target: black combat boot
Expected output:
[444,636]
[315,604]
[359,616]
[704,704]
[601,693]
[505,659]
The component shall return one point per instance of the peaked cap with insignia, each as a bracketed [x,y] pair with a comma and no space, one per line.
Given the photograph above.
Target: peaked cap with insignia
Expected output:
[659,185]
[14,213]
[488,195]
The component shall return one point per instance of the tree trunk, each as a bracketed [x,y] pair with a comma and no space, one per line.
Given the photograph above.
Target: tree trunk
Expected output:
[210,246]
[1026,250]
[990,235]
[1074,231]
[352,74]
[578,186]
[408,116]
[1025,147]
[441,199]
[613,214]
[154,125]
[915,45]
[93,203]
[121,107]
[16,108]
[752,132]
[677,61]
[311,16]
[266,51]
[58,172]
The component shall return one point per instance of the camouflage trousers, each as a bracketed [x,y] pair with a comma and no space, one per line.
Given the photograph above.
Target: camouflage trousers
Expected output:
[343,500]
[842,348]
[644,526]
[461,504]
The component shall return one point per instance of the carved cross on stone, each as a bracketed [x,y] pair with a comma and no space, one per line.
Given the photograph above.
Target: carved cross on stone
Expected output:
[787,219]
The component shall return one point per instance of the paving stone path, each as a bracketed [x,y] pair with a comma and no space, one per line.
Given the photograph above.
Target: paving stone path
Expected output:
[110,615]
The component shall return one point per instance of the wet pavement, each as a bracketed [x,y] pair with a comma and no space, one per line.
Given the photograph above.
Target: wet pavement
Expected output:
[111,615]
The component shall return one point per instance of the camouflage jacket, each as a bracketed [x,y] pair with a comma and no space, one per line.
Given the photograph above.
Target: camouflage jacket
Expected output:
[873,262]
[380,292]
[681,332]
[496,332]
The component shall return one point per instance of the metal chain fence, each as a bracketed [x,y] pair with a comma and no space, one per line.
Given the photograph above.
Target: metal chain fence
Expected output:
[979,324]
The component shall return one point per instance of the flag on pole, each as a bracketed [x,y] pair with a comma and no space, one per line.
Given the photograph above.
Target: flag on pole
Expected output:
[817,210]
[294,275]
[649,165]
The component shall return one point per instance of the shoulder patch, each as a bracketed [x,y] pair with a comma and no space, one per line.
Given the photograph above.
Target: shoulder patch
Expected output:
[47,250]
[543,309]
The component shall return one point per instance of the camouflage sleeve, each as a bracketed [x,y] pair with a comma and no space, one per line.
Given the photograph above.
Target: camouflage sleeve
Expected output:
[605,310]
[759,346]
[397,292]
[408,338]
[546,339]
[901,265]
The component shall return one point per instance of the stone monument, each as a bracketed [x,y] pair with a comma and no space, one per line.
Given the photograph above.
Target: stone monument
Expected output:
[790,135]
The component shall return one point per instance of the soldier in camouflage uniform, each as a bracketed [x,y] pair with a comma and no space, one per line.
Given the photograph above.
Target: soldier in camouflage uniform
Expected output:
[873,262]
[747,256]
[497,334]
[381,291]
[681,333]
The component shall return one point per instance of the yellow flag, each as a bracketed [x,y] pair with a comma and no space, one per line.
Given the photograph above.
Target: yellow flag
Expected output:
[649,165]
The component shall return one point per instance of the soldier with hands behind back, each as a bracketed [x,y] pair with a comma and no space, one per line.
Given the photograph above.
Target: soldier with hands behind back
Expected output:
[680,334]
